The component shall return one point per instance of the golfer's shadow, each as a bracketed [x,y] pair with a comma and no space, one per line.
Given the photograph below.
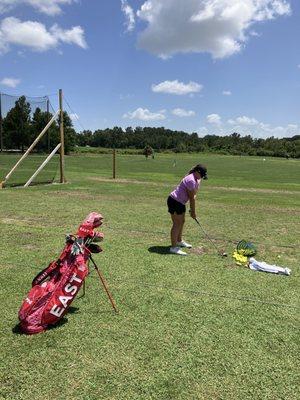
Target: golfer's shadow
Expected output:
[159,249]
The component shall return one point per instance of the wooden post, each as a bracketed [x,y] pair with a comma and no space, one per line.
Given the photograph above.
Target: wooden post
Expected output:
[1,130]
[62,140]
[114,163]
[48,133]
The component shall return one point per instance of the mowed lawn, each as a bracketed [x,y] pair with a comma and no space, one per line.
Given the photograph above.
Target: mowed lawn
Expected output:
[198,327]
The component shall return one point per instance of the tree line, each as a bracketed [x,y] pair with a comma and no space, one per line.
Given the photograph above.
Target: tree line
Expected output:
[162,139]
[21,126]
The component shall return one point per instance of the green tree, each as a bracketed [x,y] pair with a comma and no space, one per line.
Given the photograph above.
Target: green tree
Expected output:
[148,151]
[16,125]
[39,120]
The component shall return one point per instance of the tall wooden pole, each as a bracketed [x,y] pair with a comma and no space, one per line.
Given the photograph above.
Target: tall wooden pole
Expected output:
[62,138]
[1,130]
[114,163]
[48,133]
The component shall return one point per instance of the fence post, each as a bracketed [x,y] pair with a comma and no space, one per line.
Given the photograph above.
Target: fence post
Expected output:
[62,139]
[1,129]
[114,163]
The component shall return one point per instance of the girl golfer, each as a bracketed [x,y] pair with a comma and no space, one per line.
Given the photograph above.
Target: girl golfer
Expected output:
[184,192]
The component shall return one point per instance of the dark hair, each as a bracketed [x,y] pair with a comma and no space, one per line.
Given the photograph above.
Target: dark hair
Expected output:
[201,169]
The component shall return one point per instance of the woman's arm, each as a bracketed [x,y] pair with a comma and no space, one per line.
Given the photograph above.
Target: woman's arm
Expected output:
[192,197]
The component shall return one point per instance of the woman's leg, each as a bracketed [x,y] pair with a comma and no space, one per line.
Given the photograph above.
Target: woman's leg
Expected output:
[179,237]
[176,230]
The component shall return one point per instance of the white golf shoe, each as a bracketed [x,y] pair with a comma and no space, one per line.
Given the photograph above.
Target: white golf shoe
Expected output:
[184,244]
[178,251]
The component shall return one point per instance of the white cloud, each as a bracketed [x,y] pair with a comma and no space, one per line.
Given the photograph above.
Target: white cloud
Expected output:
[10,82]
[214,119]
[248,126]
[176,87]
[254,33]
[34,35]
[202,131]
[247,121]
[49,7]
[278,131]
[180,112]
[144,114]
[125,96]
[219,27]
[7,5]
[226,93]
[75,35]
[129,14]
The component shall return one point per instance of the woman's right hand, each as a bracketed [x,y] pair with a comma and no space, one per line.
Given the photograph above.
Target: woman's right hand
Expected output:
[193,214]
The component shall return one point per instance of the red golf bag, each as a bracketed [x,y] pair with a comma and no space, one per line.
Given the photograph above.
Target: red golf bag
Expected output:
[55,287]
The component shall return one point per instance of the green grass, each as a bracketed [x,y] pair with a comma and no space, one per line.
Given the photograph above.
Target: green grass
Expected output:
[198,327]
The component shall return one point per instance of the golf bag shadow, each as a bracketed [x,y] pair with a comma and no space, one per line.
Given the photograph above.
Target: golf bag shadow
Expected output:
[55,287]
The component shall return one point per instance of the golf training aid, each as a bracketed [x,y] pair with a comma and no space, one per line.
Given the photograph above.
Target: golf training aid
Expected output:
[220,253]
[54,288]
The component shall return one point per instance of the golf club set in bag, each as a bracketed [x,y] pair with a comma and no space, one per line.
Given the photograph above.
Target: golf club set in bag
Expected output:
[55,287]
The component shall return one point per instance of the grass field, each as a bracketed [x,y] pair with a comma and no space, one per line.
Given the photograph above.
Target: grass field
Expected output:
[197,327]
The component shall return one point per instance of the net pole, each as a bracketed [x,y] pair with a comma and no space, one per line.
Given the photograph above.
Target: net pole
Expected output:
[42,165]
[1,126]
[62,139]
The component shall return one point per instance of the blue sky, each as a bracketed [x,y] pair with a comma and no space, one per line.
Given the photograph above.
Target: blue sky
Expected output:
[201,66]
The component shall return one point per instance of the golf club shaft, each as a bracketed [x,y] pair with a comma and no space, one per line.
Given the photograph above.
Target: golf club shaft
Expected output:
[219,252]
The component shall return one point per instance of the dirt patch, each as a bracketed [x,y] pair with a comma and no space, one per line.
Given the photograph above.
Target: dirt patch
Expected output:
[133,181]
[198,250]
[19,221]
[77,194]
[29,247]
[253,190]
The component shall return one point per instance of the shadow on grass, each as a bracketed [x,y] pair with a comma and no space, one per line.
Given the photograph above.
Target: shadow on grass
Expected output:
[17,329]
[160,249]
[71,310]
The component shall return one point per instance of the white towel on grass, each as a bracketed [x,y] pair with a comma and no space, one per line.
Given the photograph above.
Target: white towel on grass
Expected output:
[264,267]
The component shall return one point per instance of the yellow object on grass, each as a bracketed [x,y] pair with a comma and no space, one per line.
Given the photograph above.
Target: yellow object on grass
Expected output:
[240,259]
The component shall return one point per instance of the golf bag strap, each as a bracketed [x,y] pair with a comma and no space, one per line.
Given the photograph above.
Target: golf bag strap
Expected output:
[45,273]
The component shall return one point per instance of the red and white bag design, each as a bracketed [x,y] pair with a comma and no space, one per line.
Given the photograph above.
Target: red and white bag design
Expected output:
[54,288]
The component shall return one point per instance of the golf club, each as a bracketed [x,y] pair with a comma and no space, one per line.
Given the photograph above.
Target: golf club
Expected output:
[220,253]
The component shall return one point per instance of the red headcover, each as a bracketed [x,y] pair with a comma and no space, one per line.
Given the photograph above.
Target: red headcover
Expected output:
[92,221]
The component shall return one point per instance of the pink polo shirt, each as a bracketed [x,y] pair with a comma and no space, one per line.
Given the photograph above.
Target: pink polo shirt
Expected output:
[189,182]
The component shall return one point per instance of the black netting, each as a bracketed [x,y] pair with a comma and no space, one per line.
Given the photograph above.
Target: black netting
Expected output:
[22,118]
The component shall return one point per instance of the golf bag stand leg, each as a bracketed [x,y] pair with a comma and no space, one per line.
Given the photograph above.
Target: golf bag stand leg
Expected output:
[104,284]
[83,289]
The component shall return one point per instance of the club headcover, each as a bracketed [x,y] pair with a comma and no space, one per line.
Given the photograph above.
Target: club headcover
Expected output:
[92,221]
[94,248]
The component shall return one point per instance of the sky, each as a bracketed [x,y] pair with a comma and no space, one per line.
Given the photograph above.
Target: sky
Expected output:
[205,66]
